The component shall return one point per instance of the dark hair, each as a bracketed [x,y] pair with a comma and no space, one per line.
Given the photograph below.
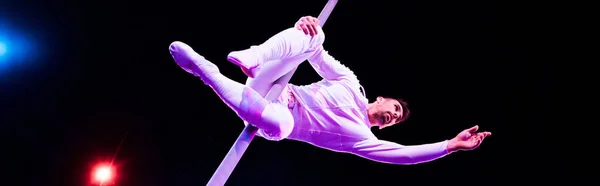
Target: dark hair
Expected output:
[405,110]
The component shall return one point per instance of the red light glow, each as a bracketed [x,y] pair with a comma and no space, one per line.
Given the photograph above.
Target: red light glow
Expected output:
[103,174]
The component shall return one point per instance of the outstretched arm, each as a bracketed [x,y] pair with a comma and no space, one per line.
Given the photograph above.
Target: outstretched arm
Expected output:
[393,153]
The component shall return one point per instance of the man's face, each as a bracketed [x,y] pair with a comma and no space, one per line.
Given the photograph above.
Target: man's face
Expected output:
[389,112]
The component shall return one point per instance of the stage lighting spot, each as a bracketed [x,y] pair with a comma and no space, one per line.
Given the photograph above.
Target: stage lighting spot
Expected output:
[103,174]
[17,49]
[2,48]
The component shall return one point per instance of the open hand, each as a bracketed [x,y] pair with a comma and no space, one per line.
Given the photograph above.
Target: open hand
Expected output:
[308,25]
[468,139]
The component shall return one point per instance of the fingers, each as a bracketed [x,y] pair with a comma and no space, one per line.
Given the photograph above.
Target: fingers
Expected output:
[306,23]
[475,141]
[305,28]
[483,135]
[311,19]
[301,25]
[480,137]
[313,29]
[309,25]
[315,24]
[473,129]
[308,29]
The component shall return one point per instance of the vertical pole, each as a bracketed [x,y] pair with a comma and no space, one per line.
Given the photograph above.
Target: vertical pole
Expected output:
[243,141]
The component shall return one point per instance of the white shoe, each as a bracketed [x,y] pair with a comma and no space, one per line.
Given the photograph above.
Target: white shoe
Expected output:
[190,61]
[246,60]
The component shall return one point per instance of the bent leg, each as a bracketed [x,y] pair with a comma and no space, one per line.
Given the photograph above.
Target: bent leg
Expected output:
[245,102]
[272,71]
[287,44]
[278,120]
[277,56]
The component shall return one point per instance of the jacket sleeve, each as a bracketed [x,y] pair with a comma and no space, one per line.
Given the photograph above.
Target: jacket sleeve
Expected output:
[328,67]
[393,153]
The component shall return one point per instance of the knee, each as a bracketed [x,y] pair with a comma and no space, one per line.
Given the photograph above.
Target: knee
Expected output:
[286,125]
[277,122]
[313,41]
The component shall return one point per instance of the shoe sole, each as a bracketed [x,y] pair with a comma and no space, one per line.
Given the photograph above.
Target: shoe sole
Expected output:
[237,62]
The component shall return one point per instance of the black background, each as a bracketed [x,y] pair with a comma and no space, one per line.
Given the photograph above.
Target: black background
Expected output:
[104,71]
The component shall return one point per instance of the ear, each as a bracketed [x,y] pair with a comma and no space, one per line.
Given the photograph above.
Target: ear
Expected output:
[380,99]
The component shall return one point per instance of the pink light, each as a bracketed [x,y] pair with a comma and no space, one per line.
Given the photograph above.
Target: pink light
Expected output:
[103,174]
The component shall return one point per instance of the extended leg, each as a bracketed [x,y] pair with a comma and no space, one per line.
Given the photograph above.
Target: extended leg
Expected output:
[248,104]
